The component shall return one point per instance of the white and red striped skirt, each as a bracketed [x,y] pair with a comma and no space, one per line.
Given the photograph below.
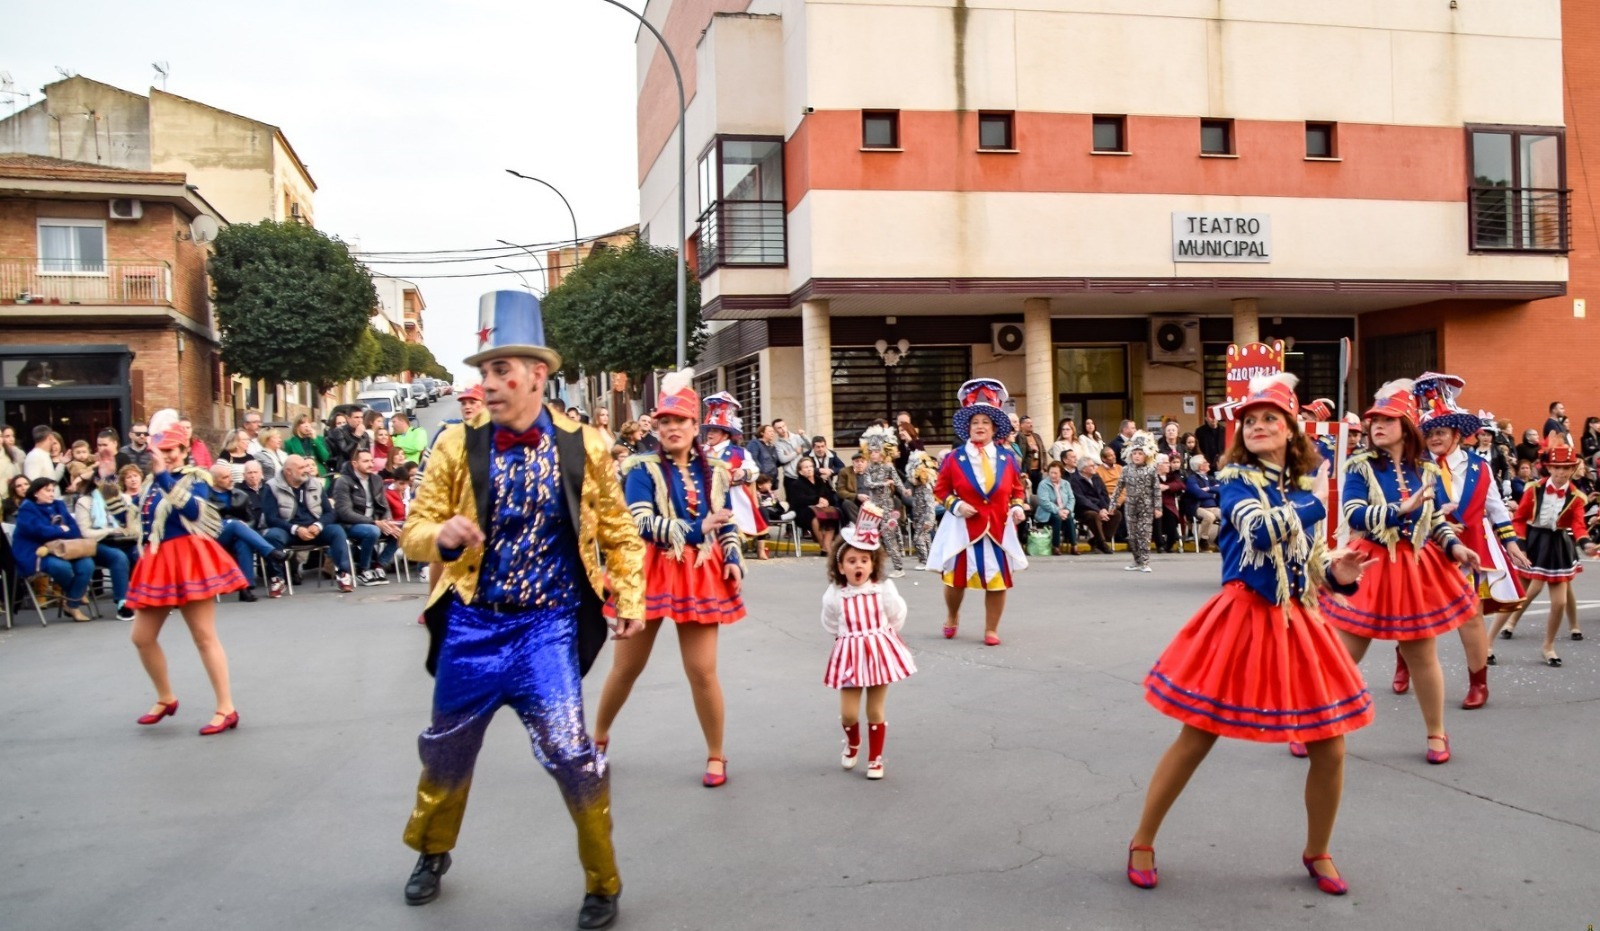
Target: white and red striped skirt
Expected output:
[868,651]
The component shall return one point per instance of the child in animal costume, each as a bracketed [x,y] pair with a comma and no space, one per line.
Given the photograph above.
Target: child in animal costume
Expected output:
[1139,486]
[883,487]
[922,470]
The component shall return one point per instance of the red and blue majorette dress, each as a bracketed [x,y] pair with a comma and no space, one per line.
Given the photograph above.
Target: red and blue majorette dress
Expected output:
[1413,591]
[981,550]
[1257,662]
[182,561]
[1551,520]
[685,570]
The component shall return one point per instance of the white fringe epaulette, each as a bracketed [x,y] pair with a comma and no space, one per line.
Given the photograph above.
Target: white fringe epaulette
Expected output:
[209,523]
[1289,538]
[1361,464]
[657,523]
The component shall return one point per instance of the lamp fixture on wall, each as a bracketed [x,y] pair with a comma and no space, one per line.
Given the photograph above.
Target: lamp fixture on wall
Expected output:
[892,353]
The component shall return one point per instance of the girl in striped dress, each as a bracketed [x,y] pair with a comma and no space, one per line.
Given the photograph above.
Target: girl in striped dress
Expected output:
[864,612]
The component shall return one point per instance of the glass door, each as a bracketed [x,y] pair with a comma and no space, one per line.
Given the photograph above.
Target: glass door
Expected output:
[1092,382]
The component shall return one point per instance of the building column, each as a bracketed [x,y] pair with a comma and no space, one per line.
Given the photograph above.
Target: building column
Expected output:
[1040,364]
[816,340]
[1246,322]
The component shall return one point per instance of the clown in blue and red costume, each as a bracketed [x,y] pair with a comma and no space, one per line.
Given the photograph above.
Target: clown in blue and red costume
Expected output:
[722,433]
[981,487]
[1477,515]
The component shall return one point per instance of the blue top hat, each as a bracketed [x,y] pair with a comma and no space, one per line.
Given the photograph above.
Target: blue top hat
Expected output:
[511,324]
[982,396]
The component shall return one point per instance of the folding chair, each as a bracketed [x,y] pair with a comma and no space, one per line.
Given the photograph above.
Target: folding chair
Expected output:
[789,531]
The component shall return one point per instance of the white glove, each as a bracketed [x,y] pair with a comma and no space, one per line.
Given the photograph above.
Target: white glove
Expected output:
[1017,515]
[963,510]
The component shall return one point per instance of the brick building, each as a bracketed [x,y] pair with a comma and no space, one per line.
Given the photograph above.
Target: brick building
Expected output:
[1045,192]
[104,302]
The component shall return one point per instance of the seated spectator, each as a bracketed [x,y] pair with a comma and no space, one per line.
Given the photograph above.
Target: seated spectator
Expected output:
[408,439]
[104,517]
[8,448]
[199,453]
[40,520]
[271,454]
[400,488]
[1169,534]
[235,453]
[1093,503]
[382,440]
[80,463]
[851,492]
[130,483]
[815,502]
[105,456]
[397,458]
[294,508]
[137,451]
[828,464]
[628,436]
[344,439]
[362,508]
[305,443]
[241,514]
[772,510]
[1527,451]
[16,493]
[1055,505]
[1201,488]
[1521,481]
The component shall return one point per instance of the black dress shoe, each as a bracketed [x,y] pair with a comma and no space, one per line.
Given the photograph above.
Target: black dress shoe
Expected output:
[246,595]
[279,555]
[423,886]
[599,911]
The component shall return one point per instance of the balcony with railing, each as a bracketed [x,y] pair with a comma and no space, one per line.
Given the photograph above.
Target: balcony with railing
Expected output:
[1507,219]
[748,233]
[28,281]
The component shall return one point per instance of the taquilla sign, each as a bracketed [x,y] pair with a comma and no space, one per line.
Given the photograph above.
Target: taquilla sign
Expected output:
[1221,237]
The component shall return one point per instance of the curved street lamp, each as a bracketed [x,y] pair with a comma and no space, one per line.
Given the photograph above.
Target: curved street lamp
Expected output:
[532,255]
[513,271]
[576,239]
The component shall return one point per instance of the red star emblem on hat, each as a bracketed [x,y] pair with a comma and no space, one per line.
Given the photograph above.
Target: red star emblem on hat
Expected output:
[483,335]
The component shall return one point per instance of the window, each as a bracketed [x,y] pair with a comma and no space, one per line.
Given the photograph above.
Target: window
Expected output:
[880,129]
[72,247]
[1320,141]
[924,383]
[742,218]
[1110,134]
[1216,137]
[1518,196]
[744,383]
[1385,358]
[995,131]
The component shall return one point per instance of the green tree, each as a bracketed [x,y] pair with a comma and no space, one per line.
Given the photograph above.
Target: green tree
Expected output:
[419,359]
[393,354]
[364,360]
[292,305]
[618,312]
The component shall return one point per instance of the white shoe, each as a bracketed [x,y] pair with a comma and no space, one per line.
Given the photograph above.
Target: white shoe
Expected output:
[897,574]
[875,768]
[848,759]
[1133,568]
[922,567]
[1144,568]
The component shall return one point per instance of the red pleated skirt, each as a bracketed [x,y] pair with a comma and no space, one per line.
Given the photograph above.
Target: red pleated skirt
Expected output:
[1239,669]
[183,569]
[676,590]
[1404,598]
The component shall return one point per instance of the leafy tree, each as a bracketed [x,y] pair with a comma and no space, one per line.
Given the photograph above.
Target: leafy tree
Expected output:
[618,312]
[419,359]
[364,360]
[292,305]
[393,354]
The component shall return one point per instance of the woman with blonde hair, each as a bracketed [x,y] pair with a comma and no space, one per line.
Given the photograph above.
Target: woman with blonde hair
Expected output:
[272,455]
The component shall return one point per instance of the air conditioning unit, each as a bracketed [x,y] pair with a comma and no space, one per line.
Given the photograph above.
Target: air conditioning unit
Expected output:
[126,208]
[1174,339]
[1006,339]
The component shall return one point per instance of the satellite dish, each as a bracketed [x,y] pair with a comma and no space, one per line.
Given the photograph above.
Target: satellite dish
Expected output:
[203,229]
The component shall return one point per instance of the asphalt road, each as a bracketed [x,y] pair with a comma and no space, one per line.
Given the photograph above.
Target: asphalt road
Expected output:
[1015,776]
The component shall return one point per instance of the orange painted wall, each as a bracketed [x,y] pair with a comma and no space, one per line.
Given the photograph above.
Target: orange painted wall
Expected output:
[657,113]
[1380,162]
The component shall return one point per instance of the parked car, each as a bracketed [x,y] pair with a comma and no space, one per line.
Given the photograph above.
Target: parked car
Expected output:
[383,400]
[419,394]
[405,403]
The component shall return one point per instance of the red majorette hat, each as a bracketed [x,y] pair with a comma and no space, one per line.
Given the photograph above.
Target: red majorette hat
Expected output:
[1395,400]
[678,397]
[866,533]
[1320,410]
[1272,391]
[1560,456]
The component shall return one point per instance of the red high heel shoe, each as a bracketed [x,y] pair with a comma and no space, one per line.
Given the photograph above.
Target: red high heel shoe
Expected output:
[949,633]
[229,722]
[712,780]
[1332,885]
[1439,756]
[168,709]
[1402,674]
[1144,879]
[991,639]
[1298,750]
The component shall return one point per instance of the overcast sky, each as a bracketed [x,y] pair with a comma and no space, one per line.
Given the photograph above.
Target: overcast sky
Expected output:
[405,112]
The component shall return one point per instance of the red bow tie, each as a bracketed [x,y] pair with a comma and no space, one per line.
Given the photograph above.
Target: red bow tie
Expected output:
[505,439]
[1555,492]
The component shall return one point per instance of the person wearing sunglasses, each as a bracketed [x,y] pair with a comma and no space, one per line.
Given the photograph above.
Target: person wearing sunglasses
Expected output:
[137,450]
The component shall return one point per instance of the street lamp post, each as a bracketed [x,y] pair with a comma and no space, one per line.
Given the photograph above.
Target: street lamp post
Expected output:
[683,170]
[525,285]
[532,255]
[575,239]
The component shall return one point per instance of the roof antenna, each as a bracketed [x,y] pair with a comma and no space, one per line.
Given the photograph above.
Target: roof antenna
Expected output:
[162,70]
[66,72]
[8,90]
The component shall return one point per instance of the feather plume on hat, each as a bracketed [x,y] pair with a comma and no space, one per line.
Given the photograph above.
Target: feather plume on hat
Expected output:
[674,382]
[1395,387]
[1261,383]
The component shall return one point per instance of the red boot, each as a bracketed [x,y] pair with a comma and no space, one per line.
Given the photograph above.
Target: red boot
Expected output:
[1402,674]
[875,736]
[1477,689]
[852,746]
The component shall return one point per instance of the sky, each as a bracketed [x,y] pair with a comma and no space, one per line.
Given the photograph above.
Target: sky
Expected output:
[406,113]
